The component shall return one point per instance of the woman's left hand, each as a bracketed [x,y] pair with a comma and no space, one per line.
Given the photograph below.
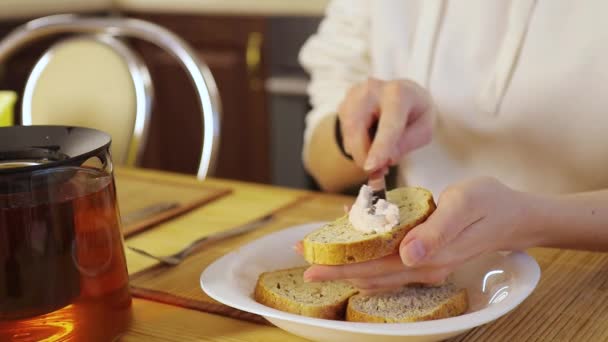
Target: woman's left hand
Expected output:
[471,218]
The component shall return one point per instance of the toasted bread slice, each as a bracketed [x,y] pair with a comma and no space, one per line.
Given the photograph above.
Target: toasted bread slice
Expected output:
[408,304]
[286,290]
[338,243]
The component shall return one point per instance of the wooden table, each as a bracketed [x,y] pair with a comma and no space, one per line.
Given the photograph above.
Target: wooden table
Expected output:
[569,304]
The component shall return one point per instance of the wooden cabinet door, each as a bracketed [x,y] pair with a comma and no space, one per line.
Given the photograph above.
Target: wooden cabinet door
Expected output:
[176,124]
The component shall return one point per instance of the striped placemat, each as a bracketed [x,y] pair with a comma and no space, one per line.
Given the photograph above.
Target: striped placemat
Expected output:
[138,196]
[180,285]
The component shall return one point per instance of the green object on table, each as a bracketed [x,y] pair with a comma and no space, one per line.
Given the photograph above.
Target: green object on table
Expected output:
[7,102]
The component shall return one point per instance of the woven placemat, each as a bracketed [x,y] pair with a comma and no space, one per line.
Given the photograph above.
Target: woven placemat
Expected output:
[137,195]
[180,285]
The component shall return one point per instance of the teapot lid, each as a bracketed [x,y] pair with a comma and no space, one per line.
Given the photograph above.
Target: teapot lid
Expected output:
[25,149]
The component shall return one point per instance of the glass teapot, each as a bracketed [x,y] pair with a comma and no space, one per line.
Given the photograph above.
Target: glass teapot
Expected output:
[63,273]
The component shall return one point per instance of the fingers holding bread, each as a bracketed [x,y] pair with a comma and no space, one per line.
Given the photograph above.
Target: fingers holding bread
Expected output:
[392,281]
[379,275]
[299,248]
[374,268]
[431,237]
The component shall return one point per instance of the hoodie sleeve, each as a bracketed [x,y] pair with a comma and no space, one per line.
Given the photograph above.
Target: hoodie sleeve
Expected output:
[336,57]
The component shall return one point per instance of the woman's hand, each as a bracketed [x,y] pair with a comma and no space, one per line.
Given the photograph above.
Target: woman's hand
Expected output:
[405,121]
[471,218]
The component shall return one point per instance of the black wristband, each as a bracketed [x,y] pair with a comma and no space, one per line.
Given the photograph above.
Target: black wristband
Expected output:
[339,140]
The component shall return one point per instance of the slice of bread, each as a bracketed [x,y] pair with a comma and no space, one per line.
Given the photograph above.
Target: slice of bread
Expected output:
[338,243]
[409,304]
[286,290]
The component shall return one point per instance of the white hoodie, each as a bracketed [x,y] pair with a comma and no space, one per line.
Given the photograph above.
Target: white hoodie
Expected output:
[521,85]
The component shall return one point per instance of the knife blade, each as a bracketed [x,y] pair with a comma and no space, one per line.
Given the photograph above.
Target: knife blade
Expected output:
[378,185]
[376,180]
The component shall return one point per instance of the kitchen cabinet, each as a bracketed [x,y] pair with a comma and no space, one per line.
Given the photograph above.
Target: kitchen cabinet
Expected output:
[233,47]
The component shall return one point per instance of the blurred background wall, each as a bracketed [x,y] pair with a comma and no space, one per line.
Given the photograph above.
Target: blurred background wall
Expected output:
[251,47]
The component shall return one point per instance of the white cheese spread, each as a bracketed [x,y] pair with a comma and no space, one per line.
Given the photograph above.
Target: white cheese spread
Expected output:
[382,220]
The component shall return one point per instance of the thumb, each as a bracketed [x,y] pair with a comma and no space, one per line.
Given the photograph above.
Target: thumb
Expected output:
[429,237]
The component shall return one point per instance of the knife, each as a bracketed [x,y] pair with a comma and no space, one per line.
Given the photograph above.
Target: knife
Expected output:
[376,180]
[377,183]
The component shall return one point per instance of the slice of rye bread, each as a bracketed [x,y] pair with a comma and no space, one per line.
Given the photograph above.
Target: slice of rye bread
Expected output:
[286,290]
[408,304]
[338,243]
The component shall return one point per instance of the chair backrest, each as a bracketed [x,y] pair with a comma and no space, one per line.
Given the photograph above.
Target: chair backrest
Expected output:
[196,69]
[92,81]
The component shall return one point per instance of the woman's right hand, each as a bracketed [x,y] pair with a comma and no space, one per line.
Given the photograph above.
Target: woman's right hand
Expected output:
[405,115]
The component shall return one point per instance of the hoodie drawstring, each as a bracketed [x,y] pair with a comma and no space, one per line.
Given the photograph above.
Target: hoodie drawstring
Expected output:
[492,93]
[423,49]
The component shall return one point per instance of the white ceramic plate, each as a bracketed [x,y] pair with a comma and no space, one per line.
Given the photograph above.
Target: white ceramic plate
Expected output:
[496,284]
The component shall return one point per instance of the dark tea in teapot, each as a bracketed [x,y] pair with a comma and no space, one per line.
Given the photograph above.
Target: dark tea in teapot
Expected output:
[63,274]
